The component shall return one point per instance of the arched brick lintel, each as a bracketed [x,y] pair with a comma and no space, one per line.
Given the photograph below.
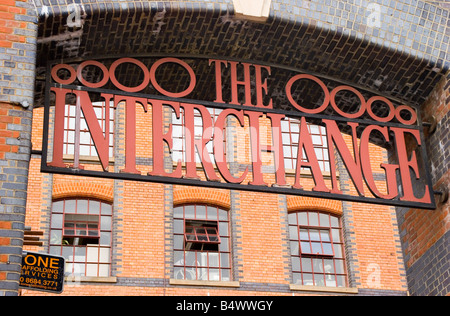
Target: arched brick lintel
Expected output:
[83,189]
[300,203]
[201,195]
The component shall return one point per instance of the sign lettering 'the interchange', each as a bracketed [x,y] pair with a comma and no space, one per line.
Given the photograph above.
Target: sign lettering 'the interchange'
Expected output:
[192,139]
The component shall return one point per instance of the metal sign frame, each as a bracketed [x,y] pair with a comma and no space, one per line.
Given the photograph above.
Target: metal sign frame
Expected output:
[382,125]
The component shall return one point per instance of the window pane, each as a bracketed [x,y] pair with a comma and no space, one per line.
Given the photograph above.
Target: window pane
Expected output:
[105,238]
[82,207]
[68,268]
[324,220]
[69,232]
[105,223]
[223,246]
[339,265]
[304,234]
[69,206]
[190,230]
[314,234]
[103,270]
[178,212]
[178,226]
[336,235]
[330,280]
[328,265]
[307,279]
[295,261]
[106,209]
[191,237]
[92,270]
[200,212]
[337,251]
[79,269]
[212,213]
[178,258]
[319,280]
[67,253]
[178,273]
[325,235]
[223,229]
[327,249]
[190,258]
[213,258]
[225,274]
[223,215]
[80,229]
[294,248]
[57,220]
[214,274]
[306,248]
[80,254]
[293,232]
[178,242]
[191,273]
[55,250]
[224,260]
[56,237]
[297,278]
[317,265]
[292,218]
[306,265]
[105,256]
[58,207]
[92,254]
[94,207]
[189,211]
[202,274]
[302,219]
[340,279]
[213,238]
[334,221]
[313,219]
[316,248]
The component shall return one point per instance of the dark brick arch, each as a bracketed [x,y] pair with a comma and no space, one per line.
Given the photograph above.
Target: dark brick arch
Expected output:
[349,52]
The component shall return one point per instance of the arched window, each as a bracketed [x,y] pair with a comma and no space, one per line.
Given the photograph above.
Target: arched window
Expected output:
[317,250]
[201,243]
[81,233]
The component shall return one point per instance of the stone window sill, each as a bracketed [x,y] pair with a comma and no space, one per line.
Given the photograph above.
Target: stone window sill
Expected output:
[204,283]
[327,289]
[75,279]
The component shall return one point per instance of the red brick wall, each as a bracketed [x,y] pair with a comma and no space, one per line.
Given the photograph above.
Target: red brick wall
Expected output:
[143,253]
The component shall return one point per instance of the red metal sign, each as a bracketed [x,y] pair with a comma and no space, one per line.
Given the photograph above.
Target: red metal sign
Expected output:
[245,99]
